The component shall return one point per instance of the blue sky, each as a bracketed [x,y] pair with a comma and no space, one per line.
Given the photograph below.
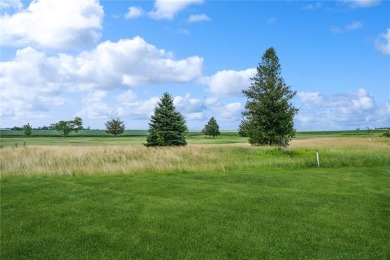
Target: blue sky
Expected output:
[107,59]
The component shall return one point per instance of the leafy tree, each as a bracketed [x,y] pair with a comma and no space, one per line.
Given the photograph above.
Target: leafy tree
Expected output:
[115,126]
[242,128]
[211,128]
[66,127]
[27,130]
[167,127]
[386,134]
[268,116]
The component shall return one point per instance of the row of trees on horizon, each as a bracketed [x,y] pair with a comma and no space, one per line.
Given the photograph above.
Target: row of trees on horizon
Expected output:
[267,119]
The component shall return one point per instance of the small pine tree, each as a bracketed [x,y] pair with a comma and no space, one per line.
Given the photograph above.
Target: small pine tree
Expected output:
[268,116]
[211,128]
[27,130]
[167,127]
[115,127]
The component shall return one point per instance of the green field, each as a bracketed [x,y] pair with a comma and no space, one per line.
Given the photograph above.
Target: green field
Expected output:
[113,198]
[94,133]
[132,137]
[9,138]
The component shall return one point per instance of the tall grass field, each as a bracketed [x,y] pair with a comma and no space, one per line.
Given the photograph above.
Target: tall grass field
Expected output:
[113,198]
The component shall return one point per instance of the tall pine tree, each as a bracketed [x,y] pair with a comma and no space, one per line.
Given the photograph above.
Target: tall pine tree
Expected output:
[268,116]
[167,127]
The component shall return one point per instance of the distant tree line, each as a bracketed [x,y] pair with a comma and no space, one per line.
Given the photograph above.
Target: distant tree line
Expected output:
[19,128]
[267,119]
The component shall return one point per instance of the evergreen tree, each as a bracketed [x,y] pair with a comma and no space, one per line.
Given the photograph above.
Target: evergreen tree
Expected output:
[167,127]
[211,128]
[27,130]
[115,126]
[268,116]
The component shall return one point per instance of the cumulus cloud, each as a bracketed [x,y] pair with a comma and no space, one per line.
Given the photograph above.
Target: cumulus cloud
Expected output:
[53,24]
[134,12]
[128,62]
[94,106]
[341,111]
[229,82]
[137,109]
[167,9]
[110,65]
[361,3]
[382,43]
[95,96]
[28,84]
[230,111]
[188,104]
[195,18]
[132,62]
[126,97]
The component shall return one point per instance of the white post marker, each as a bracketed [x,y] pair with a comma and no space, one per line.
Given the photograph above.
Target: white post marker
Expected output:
[318,159]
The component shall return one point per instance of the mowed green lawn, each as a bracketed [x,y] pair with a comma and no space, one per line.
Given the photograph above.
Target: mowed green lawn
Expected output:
[205,201]
[286,214]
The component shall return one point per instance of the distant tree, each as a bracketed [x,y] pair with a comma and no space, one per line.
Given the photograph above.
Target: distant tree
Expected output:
[27,130]
[268,116]
[211,128]
[66,127]
[167,127]
[115,126]
[386,134]
[369,131]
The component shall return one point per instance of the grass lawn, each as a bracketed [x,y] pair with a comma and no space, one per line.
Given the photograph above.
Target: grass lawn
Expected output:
[312,213]
[203,201]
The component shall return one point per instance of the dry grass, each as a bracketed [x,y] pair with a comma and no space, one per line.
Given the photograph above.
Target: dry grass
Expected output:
[91,160]
[86,160]
[343,143]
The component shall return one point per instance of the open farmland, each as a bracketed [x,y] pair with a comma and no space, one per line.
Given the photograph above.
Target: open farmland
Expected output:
[212,199]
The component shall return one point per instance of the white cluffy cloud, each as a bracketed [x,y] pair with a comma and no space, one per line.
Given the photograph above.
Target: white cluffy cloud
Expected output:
[134,12]
[53,24]
[229,82]
[382,43]
[130,62]
[46,80]
[167,9]
[29,85]
[94,106]
[341,111]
